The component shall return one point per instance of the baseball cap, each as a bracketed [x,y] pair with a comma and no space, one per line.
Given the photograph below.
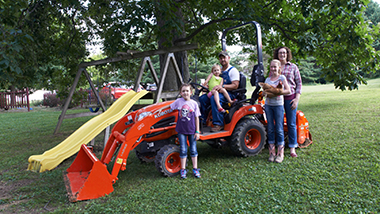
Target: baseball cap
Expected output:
[224,53]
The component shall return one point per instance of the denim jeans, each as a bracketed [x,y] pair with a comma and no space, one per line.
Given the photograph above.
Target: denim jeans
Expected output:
[275,119]
[183,145]
[217,117]
[291,123]
[205,103]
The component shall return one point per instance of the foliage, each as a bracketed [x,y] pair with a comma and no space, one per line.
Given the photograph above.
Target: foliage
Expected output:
[372,13]
[310,72]
[334,32]
[59,98]
[36,102]
[51,100]
[338,173]
[41,43]
[201,69]
[106,98]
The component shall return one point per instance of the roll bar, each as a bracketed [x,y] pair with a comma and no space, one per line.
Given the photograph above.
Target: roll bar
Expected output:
[259,71]
[258,35]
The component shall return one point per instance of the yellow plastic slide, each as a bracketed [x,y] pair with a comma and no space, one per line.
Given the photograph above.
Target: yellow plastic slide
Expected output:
[53,157]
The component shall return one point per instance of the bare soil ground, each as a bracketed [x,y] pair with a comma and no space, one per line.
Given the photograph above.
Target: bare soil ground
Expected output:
[6,197]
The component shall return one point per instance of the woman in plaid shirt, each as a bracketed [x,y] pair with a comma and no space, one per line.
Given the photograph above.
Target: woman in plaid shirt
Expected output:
[292,74]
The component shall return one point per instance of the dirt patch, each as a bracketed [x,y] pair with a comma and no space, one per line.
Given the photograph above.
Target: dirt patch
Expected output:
[4,191]
[7,200]
[14,110]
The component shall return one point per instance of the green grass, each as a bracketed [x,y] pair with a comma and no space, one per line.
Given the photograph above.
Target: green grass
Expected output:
[339,172]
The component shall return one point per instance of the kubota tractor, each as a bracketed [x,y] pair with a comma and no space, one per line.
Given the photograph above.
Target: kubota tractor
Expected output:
[151,132]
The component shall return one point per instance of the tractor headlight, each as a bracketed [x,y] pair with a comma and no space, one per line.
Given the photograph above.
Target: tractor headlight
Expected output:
[142,115]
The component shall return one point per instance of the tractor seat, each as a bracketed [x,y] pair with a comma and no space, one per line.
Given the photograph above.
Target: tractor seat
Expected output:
[240,96]
[242,89]
[256,77]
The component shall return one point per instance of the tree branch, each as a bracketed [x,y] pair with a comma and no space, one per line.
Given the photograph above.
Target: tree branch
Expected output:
[269,4]
[195,16]
[25,13]
[200,29]
[294,32]
[284,32]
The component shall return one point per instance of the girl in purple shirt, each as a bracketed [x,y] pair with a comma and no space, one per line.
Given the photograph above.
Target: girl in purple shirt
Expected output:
[187,128]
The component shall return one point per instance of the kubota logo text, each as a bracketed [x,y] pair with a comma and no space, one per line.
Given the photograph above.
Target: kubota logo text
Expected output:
[167,111]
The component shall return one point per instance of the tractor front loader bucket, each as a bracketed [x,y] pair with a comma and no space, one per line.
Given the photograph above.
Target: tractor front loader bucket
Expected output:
[87,177]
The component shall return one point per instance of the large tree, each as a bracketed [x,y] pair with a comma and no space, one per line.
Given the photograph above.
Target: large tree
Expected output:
[41,42]
[334,32]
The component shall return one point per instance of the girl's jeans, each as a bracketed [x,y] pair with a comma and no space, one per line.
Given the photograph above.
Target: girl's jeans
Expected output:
[275,118]
[183,145]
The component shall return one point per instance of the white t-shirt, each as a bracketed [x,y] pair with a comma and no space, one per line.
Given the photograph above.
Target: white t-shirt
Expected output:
[234,74]
[278,100]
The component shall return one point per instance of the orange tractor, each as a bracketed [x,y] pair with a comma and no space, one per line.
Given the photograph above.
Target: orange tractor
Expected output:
[150,131]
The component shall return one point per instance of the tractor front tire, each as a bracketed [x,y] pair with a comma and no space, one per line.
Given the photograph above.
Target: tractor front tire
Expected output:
[248,138]
[167,161]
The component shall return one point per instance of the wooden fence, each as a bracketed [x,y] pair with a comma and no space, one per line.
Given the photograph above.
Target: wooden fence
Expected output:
[15,99]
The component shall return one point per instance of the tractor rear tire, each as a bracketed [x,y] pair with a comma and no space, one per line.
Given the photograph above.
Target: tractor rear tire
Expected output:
[248,138]
[167,161]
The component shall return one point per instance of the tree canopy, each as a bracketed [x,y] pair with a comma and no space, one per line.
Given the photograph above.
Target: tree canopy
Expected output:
[40,42]
[45,39]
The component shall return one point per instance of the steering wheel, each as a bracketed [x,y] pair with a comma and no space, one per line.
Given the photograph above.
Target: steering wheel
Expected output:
[197,91]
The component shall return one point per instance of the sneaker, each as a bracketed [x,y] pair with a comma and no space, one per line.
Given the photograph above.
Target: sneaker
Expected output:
[196,173]
[221,110]
[183,173]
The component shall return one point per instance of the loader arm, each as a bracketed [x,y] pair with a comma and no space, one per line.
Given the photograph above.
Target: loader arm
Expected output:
[121,126]
[129,132]
[89,178]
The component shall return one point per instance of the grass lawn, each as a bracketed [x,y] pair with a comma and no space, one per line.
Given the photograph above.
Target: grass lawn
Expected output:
[339,172]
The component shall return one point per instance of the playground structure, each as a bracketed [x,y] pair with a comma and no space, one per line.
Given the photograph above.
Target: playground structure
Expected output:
[151,132]
[87,132]
[15,99]
[51,158]
[159,94]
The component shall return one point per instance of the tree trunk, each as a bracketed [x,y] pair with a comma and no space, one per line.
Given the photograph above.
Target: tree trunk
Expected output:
[13,95]
[172,82]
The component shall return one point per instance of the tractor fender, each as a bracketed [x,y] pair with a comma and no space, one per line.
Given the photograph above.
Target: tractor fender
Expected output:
[241,113]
